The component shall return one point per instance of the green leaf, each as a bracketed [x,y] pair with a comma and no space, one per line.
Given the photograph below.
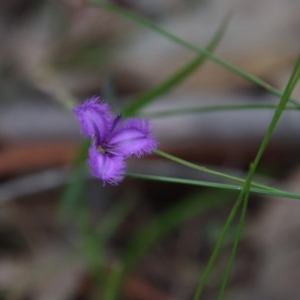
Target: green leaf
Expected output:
[270,192]
[209,171]
[155,28]
[211,109]
[244,195]
[176,78]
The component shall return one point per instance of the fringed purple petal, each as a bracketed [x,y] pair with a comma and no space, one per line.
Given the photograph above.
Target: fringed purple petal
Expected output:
[110,169]
[132,137]
[95,118]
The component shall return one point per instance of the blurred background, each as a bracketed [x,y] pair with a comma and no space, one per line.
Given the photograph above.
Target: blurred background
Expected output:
[65,236]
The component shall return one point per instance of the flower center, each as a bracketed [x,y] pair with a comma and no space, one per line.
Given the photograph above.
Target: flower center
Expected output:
[100,150]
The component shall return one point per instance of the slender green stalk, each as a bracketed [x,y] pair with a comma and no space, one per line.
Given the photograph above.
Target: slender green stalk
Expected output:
[233,187]
[148,24]
[177,77]
[216,251]
[211,108]
[245,192]
[235,246]
[209,171]
[246,188]
[220,242]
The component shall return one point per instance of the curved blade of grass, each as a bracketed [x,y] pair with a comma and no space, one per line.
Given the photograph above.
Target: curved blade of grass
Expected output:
[216,251]
[235,245]
[211,108]
[245,193]
[176,78]
[209,171]
[295,76]
[148,24]
[233,187]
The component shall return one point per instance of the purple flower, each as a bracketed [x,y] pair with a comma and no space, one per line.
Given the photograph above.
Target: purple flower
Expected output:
[113,140]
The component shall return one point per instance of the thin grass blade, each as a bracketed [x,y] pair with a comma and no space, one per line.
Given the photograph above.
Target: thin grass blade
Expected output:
[155,28]
[232,187]
[211,109]
[244,195]
[176,78]
[209,171]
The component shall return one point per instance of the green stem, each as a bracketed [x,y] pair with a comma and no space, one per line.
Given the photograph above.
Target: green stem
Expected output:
[177,77]
[209,171]
[146,23]
[246,188]
[211,108]
[269,192]
[216,251]
[235,246]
